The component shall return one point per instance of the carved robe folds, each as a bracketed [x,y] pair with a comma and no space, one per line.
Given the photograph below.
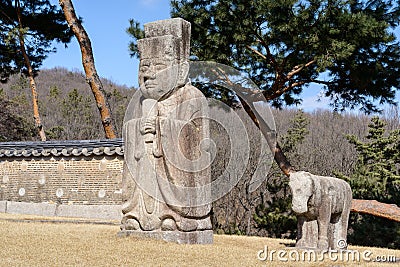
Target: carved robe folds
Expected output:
[165,169]
[166,177]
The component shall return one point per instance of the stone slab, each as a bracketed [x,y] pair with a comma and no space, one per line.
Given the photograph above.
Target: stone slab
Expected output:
[3,206]
[196,237]
[42,209]
[105,212]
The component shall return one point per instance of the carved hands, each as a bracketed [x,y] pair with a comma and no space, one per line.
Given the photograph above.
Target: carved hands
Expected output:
[148,125]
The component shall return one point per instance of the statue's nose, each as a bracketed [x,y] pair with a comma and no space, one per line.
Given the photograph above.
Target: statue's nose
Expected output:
[151,74]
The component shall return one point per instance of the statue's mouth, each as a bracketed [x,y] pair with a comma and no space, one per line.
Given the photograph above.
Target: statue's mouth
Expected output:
[150,85]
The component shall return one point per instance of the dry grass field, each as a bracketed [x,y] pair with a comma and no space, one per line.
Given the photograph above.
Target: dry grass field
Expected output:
[31,241]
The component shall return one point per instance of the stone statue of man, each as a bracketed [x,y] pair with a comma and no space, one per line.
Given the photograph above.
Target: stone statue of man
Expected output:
[166,168]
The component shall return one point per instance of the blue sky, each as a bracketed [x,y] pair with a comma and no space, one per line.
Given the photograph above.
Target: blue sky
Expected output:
[106,24]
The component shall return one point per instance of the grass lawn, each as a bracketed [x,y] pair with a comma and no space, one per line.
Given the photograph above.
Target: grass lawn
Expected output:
[41,243]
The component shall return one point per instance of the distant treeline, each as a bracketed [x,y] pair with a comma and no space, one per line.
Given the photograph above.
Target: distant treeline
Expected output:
[66,104]
[69,112]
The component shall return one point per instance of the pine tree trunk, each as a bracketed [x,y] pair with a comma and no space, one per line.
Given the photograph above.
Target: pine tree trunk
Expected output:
[88,64]
[32,83]
[282,161]
[373,207]
[279,156]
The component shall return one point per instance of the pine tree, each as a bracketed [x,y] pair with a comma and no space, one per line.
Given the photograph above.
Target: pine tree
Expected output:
[377,173]
[27,31]
[296,133]
[40,23]
[285,45]
[376,176]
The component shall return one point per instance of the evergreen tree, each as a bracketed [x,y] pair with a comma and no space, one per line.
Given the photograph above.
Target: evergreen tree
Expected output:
[284,46]
[13,126]
[347,47]
[42,23]
[28,29]
[296,133]
[376,176]
[377,173]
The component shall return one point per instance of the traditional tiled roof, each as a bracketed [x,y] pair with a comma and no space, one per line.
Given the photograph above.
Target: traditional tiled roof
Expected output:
[106,147]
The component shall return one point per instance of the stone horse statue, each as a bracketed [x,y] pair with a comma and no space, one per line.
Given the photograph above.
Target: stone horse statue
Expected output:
[322,205]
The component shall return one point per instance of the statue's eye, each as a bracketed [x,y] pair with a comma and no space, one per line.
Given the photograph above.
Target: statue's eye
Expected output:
[144,67]
[298,191]
[160,67]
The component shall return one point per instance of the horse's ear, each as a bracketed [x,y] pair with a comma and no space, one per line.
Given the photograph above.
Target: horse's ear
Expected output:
[309,176]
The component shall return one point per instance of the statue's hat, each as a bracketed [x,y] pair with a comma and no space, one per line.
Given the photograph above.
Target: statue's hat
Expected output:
[166,38]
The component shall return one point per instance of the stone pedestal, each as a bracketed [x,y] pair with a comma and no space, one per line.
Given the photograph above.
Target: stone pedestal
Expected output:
[196,237]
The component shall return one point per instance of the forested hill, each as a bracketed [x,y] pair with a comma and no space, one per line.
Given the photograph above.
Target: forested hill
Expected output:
[66,103]
[69,112]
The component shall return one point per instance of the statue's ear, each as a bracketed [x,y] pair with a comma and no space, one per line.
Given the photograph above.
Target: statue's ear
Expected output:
[309,177]
[313,186]
[307,174]
[183,73]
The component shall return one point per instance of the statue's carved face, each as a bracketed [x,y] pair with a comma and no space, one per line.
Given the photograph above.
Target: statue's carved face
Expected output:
[301,185]
[157,77]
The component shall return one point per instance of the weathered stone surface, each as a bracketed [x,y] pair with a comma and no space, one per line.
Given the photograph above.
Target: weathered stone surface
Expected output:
[104,212]
[322,205]
[194,237]
[43,209]
[3,206]
[165,168]
[176,27]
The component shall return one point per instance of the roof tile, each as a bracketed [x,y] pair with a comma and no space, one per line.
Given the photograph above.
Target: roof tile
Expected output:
[69,148]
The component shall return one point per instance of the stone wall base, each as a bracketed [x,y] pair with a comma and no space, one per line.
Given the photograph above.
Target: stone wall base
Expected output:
[102,212]
[195,237]
[3,206]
